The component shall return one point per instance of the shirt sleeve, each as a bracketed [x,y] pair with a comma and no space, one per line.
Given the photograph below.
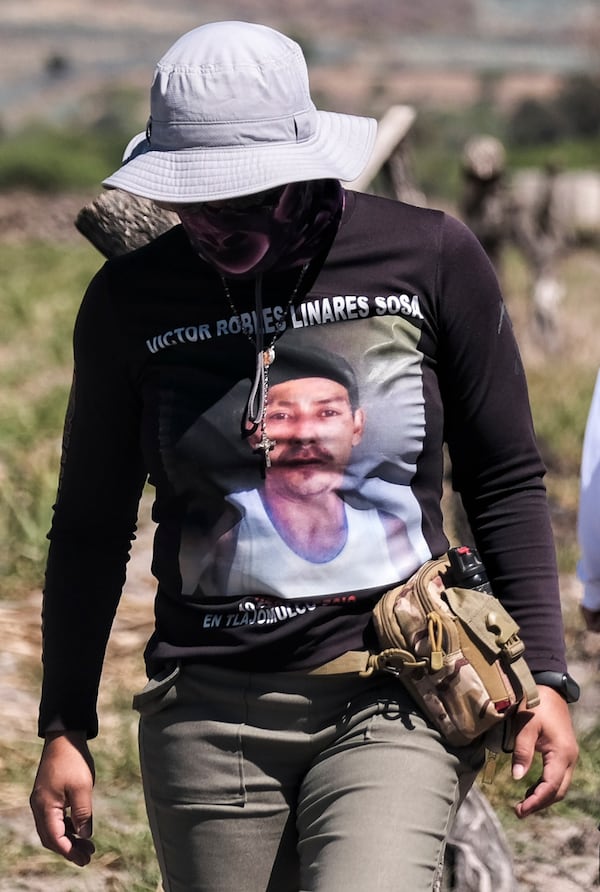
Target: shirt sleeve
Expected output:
[588,568]
[100,483]
[496,464]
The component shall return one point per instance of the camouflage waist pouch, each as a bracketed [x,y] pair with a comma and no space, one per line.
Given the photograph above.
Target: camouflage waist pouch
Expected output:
[457,651]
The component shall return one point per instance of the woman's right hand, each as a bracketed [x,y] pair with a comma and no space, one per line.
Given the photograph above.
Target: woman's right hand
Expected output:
[61,799]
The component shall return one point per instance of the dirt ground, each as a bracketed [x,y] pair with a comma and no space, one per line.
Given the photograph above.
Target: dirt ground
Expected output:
[25,215]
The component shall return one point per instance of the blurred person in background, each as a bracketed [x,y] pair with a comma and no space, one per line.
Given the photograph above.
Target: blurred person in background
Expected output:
[588,568]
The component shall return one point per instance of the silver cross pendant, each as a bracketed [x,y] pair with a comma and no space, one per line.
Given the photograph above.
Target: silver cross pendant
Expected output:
[266,446]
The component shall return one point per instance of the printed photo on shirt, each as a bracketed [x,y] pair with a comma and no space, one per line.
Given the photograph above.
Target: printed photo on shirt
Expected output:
[331,514]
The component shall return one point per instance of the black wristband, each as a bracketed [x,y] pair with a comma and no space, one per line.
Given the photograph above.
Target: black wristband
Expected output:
[562,682]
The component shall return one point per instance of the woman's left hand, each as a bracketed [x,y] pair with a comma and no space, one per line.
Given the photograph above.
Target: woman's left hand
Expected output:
[548,730]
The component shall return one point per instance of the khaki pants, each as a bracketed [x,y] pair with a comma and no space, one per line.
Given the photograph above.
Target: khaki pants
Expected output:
[286,782]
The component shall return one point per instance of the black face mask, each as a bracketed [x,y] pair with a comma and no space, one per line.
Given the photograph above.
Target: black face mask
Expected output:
[274,230]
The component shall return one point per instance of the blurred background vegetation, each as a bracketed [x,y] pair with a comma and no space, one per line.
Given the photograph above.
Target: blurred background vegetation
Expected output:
[563,129]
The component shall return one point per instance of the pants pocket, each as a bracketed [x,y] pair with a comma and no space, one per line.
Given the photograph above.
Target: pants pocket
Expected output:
[152,697]
[190,755]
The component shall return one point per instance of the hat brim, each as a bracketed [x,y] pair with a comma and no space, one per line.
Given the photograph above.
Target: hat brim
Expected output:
[340,149]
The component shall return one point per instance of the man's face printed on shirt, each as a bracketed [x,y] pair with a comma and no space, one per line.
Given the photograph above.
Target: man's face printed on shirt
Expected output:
[315,429]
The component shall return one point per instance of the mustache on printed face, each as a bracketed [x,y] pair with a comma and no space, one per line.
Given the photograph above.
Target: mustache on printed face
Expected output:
[299,454]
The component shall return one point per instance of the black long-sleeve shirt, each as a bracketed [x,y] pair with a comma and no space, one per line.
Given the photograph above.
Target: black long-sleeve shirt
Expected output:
[407,300]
